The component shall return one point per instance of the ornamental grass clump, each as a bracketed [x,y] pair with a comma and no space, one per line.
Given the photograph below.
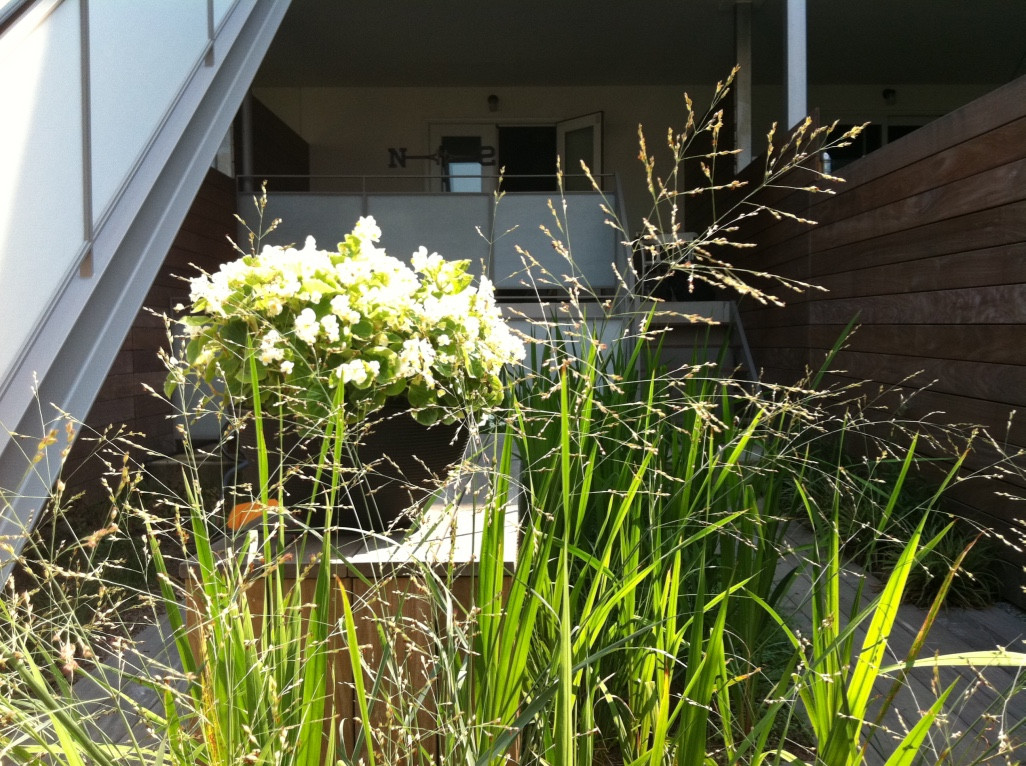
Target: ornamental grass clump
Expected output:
[356,319]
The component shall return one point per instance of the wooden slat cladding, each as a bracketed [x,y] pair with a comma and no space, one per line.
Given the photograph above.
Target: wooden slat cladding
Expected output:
[972,158]
[977,342]
[123,402]
[983,191]
[926,245]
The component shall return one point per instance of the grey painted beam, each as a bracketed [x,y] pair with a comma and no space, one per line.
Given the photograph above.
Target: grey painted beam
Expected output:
[796,76]
[743,83]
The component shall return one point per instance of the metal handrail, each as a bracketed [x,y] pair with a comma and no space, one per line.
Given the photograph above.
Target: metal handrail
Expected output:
[12,11]
[253,179]
[739,329]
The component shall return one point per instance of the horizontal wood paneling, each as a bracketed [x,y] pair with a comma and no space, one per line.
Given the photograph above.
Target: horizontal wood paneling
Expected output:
[993,227]
[991,151]
[989,304]
[993,188]
[1002,383]
[926,245]
[975,342]
[801,249]
[977,118]
[1002,265]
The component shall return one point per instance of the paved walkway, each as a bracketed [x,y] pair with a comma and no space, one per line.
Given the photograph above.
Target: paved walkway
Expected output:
[985,720]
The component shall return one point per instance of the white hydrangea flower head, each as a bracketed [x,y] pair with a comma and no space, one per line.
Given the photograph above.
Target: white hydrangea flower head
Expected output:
[376,323]
[331,330]
[367,230]
[352,372]
[416,358]
[307,326]
[340,307]
[270,351]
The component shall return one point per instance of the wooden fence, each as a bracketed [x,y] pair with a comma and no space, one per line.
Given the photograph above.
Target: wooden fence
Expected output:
[926,245]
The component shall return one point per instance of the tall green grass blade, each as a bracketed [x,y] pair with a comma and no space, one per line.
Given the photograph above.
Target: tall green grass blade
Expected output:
[364,737]
[263,469]
[908,750]
[817,379]
[707,669]
[169,601]
[870,659]
[315,669]
[76,743]
[996,658]
[920,639]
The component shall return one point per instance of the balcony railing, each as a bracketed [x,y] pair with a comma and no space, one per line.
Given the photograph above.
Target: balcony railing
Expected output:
[503,238]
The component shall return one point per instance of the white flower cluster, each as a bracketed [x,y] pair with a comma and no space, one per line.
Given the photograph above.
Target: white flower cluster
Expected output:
[314,319]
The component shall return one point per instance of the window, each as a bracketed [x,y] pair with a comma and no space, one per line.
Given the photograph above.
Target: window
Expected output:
[876,134]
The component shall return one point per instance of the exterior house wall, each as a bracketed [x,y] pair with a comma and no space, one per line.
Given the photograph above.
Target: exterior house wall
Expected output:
[926,245]
[350,130]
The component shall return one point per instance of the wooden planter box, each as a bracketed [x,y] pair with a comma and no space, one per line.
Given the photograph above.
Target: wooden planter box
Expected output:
[385,580]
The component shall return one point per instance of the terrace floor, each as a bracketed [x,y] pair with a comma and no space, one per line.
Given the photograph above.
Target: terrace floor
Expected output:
[973,712]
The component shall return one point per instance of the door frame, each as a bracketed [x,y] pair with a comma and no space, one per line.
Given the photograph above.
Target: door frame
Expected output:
[592,120]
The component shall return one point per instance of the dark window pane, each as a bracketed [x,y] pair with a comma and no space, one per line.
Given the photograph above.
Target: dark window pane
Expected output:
[894,132]
[528,154]
[869,140]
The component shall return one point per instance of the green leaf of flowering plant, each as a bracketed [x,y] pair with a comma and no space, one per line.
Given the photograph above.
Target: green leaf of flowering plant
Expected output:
[418,394]
[427,416]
